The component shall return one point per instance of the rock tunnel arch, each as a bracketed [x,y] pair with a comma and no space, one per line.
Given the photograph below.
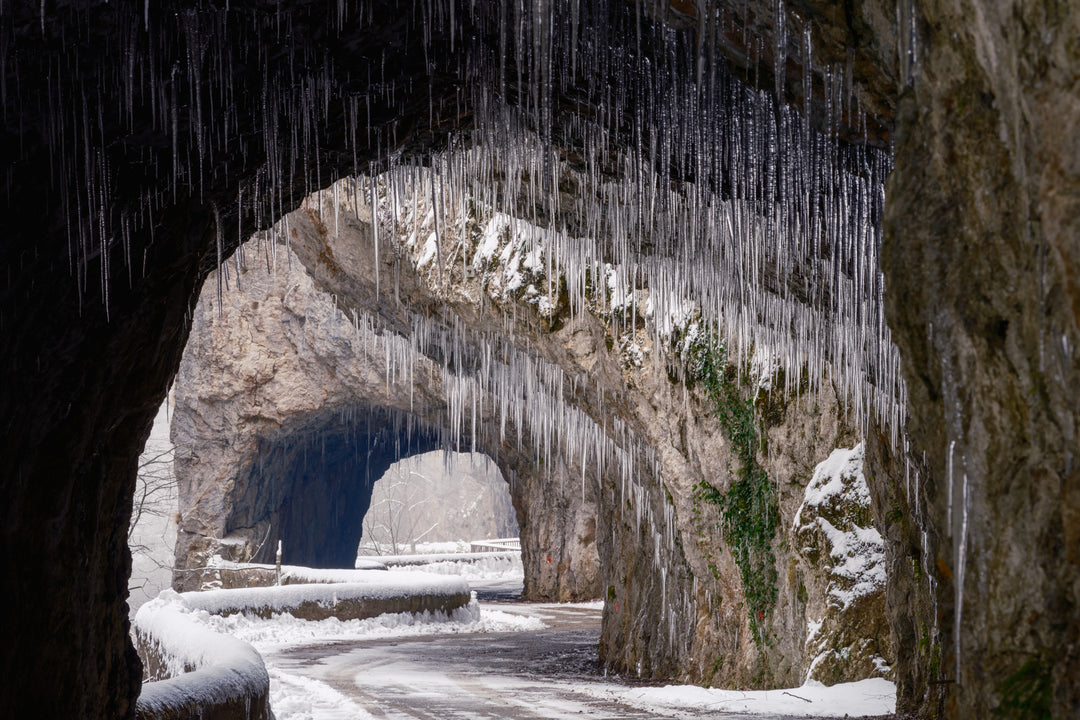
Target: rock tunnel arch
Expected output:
[310,484]
[281,349]
[285,417]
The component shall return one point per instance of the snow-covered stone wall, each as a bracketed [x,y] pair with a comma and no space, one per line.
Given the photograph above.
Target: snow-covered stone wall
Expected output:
[194,672]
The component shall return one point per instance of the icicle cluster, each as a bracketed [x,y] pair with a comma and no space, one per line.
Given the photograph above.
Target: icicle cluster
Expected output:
[796,280]
[491,392]
[624,139]
[634,157]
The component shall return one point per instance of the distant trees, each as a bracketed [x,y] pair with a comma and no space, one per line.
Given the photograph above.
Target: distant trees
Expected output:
[444,497]
[400,516]
[151,529]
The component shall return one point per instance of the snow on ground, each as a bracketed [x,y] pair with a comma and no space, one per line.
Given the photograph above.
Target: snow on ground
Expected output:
[300,697]
[866,697]
[295,697]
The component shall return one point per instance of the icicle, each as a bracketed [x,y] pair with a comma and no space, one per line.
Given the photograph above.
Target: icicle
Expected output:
[961,566]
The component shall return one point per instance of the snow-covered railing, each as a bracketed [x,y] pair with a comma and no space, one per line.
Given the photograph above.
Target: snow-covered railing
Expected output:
[197,672]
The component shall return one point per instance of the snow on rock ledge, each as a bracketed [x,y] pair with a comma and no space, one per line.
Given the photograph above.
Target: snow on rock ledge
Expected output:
[847,636]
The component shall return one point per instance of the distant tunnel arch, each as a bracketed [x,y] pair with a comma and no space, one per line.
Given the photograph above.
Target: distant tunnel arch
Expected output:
[310,486]
[286,414]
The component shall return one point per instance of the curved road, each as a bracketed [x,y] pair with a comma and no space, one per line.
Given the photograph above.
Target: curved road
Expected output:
[550,673]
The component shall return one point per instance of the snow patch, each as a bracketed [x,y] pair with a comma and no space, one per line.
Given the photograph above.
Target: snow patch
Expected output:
[828,479]
[858,553]
[301,698]
[866,697]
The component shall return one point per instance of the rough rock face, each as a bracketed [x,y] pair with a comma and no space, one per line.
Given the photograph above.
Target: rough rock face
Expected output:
[981,259]
[834,529]
[739,631]
[119,185]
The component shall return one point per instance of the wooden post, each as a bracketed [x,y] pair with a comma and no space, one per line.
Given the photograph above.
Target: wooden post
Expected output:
[279,562]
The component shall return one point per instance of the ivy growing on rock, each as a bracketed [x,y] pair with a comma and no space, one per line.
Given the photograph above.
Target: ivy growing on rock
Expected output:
[750,511]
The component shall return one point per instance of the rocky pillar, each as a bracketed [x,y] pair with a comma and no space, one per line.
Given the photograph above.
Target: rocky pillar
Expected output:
[982,261]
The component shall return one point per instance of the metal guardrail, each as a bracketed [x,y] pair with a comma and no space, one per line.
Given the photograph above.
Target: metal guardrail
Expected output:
[495,545]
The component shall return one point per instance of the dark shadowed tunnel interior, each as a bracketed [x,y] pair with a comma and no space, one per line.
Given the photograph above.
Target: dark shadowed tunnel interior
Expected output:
[310,484]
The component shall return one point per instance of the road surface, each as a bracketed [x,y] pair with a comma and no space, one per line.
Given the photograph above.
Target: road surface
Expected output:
[550,674]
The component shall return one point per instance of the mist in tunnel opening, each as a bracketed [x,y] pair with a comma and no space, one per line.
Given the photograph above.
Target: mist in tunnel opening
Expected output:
[445,499]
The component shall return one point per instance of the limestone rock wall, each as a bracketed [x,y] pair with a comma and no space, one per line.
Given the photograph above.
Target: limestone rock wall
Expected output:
[732,630]
[982,255]
[647,535]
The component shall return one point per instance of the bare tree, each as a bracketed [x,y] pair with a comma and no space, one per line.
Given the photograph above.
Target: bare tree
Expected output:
[152,517]
[401,517]
[155,487]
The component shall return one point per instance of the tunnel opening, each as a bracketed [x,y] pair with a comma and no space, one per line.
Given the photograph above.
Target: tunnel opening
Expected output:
[440,502]
[309,485]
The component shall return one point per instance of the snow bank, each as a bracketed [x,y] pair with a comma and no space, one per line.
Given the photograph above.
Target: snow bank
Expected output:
[866,697]
[199,672]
